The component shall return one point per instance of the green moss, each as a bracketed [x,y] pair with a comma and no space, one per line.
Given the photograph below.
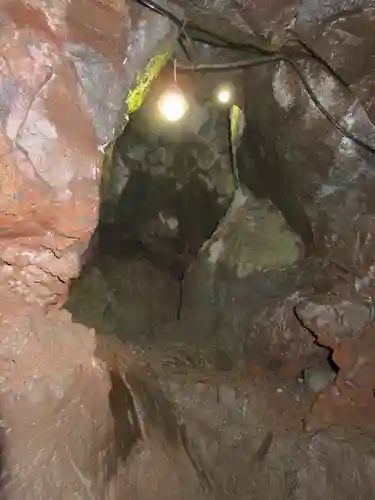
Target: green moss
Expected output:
[133,101]
[136,97]
[235,123]
[260,240]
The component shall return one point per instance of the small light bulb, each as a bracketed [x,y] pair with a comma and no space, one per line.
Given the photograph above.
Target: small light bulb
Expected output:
[172,105]
[224,94]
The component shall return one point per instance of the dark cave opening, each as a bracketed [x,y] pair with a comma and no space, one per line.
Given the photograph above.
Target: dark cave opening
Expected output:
[166,192]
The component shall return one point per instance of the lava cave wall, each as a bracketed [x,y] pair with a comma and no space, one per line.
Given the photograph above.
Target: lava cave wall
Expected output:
[59,64]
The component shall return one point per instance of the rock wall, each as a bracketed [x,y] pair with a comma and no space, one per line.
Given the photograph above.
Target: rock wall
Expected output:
[58,68]
[127,297]
[63,81]
[249,263]
[80,418]
[320,181]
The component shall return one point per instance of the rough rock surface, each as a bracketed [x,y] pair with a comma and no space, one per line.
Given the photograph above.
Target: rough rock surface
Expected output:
[248,263]
[248,431]
[58,67]
[344,325]
[61,441]
[59,63]
[322,183]
[130,298]
[319,179]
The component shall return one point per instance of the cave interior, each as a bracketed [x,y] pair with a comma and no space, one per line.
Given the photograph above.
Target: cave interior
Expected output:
[188,308]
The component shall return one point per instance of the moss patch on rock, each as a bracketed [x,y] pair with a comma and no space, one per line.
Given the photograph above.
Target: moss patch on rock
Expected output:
[137,96]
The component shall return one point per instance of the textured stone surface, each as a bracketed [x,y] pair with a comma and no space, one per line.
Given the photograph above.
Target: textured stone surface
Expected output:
[58,67]
[59,63]
[243,267]
[44,389]
[320,181]
[248,431]
[340,32]
[130,298]
[50,162]
[61,441]
[344,325]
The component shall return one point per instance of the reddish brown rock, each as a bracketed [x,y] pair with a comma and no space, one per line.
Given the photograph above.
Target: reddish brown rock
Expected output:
[58,428]
[44,389]
[343,326]
[78,414]
[50,158]
[58,67]
[49,142]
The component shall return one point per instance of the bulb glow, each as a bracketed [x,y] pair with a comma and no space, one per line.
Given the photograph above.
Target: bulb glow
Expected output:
[172,105]
[224,96]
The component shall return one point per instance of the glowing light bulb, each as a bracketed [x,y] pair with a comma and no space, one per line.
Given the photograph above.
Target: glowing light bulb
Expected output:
[224,94]
[172,105]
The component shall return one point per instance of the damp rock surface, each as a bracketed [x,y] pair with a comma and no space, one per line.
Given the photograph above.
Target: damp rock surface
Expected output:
[129,298]
[59,64]
[57,437]
[68,418]
[249,433]
[246,264]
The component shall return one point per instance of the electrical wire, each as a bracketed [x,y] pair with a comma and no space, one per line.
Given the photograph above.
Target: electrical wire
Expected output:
[268,55]
[326,113]
[246,63]
[224,43]
[182,36]
[321,61]
[232,45]
[161,11]
[184,25]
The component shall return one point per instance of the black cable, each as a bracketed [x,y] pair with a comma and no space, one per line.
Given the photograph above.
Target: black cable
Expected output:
[227,44]
[181,41]
[151,5]
[161,11]
[232,45]
[229,66]
[182,36]
[324,63]
[326,113]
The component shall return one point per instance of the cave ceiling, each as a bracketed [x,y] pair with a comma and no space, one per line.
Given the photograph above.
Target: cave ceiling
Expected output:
[338,33]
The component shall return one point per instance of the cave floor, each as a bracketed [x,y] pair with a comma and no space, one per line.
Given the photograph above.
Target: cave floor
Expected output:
[246,424]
